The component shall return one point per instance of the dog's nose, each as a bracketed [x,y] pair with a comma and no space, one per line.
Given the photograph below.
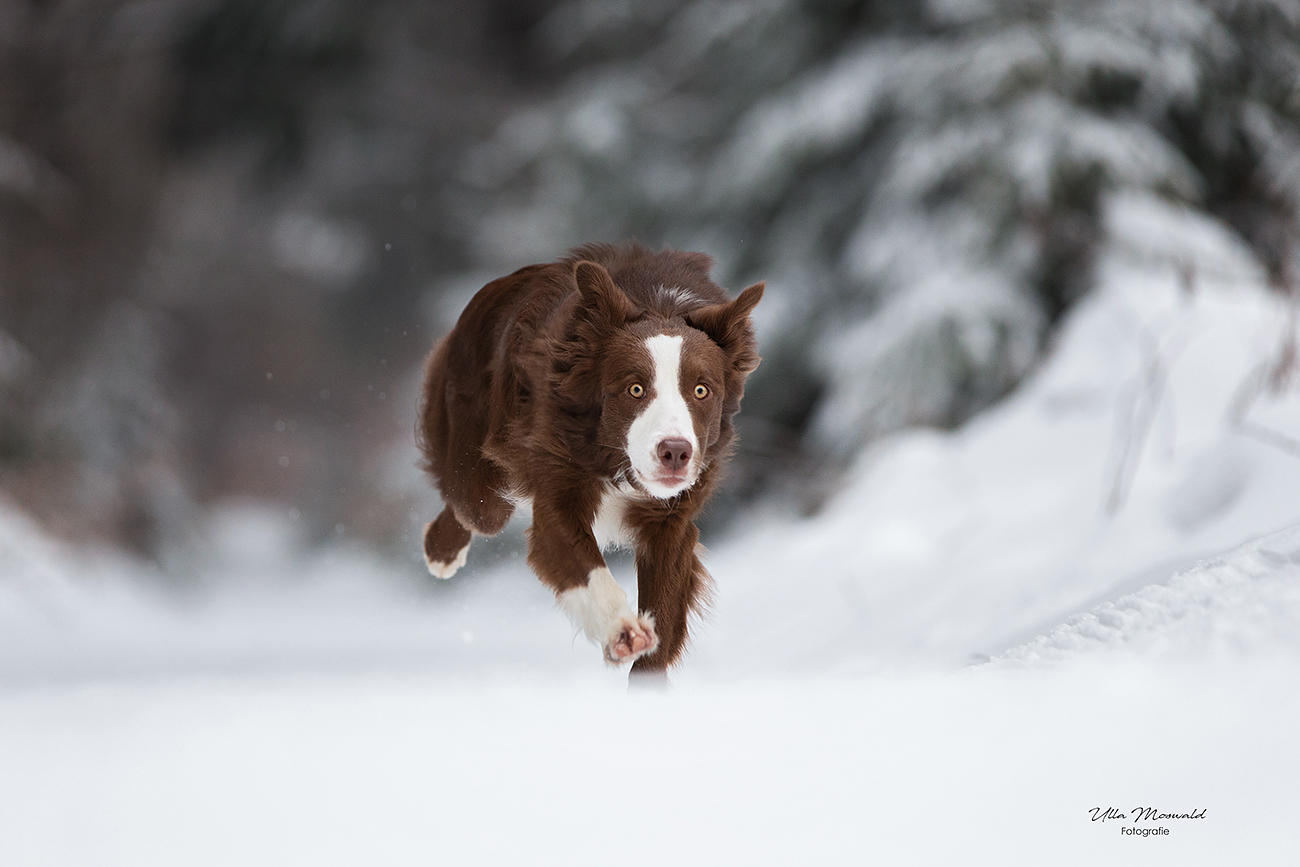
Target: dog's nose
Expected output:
[674,454]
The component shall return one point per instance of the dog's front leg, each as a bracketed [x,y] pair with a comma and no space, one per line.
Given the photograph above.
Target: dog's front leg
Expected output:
[671,584]
[564,554]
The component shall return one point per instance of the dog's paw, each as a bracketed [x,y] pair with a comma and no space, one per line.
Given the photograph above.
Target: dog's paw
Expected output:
[634,638]
[446,568]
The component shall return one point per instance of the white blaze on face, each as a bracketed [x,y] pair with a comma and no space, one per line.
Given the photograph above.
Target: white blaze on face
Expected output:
[665,416]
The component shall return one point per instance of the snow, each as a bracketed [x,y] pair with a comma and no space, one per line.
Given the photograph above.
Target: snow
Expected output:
[982,768]
[343,717]
[1245,603]
[1086,597]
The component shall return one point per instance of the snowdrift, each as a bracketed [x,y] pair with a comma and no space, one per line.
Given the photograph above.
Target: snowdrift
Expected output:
[1245,604]
[1148,440]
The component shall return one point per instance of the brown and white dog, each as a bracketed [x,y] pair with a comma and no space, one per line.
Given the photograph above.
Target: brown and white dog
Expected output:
[600,388]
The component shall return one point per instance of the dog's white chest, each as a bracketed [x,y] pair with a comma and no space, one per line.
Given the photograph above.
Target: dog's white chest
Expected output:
[610,524]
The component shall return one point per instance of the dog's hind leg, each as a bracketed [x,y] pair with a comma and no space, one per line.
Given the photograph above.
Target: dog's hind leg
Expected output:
[474,506]
[446,544]
[447,538]
[453,427]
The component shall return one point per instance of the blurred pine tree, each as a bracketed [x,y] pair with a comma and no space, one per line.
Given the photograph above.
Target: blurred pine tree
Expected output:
[921,183]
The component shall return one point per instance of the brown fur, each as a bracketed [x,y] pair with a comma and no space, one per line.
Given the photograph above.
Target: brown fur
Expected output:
[528,396]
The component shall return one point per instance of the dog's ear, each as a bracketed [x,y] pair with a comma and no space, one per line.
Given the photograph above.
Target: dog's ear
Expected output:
[600,296]
[729,327]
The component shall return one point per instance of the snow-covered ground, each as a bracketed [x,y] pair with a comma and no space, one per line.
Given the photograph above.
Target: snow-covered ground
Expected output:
[1087,597]
[978,767]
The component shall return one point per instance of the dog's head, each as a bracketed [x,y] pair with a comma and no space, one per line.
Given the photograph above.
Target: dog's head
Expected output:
[669,386]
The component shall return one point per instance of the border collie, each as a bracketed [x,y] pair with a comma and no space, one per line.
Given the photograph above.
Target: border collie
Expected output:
[600,389]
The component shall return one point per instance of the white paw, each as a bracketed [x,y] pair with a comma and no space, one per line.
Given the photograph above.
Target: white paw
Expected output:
[633,638]
[601,611]
[447,569]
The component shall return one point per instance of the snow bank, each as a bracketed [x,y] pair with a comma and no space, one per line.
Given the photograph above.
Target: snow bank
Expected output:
[1147,441]
[1245,603]
[258,604]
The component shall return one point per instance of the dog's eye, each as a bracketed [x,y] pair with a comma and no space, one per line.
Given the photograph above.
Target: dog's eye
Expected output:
[701,391]
[637,390]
